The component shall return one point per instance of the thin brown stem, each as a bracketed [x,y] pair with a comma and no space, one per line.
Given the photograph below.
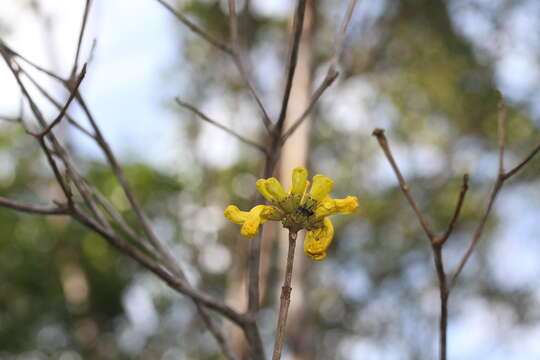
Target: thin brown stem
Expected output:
[381,138]
[464,187]
[9,52]
[522,163]
[501,130]
[56,104]
[340,39]
[328,80]
[57,120]
[80,39]
[196,29]
[298,26]
[478,231]
[174,282]
[32,208]
[285,298]
[204,117]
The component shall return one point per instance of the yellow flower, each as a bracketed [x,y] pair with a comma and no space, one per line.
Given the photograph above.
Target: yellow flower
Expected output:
[297,209]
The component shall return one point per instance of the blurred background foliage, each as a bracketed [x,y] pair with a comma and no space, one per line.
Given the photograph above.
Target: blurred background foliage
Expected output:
[426,71]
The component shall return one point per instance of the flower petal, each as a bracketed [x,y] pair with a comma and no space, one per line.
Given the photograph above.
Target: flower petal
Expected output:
[235,215]
[252,222]
[318,240]
[274,188]
[329,206]
[261,186]
[272,213]
[348,205]
[299,179]
[326,207]
[322,185]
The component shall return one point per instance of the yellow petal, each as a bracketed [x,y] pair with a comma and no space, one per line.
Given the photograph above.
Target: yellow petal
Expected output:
[271,213]
[252,222]
[261,186]
[235,215]
[321,187]
[329,206]
[326,207]
[348,205]
[318,240]
[274,188]
[299,179]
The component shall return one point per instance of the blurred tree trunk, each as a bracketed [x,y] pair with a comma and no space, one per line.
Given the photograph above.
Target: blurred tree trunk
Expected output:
[295,154]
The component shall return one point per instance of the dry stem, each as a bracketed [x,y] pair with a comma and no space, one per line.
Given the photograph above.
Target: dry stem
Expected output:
[285,298]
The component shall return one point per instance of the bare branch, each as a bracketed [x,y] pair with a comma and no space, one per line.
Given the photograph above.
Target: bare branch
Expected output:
[81,34]
[518,167]
[174,282]
[218,335]
[330,77]
[33,209]
[285,298]
[457,211]
[196,29]
[57,104]
[57,120]
[331,73]
[381,138]
[501,130]
[478,231]
[298,26]
[10,52]
[340,40]
[204,117]
[9,118]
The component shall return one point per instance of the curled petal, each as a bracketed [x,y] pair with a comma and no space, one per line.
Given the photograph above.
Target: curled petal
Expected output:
[321,187]
[272,213]
[318,240]
[329,206]
[252,222]
[348,205]
[261,186]
[326,207]
[274,188]
[235,215]
[299,180]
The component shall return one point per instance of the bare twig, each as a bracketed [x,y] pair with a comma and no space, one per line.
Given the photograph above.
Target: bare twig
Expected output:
[457,211]
[501,130]
[57,120]
[236,55]
[340,39]
[285,298]
[81,35]
[298,26]
[196,29]
[443,293]
[10,52]
[9,118]
[218,335]
[381,138]
[222,127]
[57,104]
[173,281]
[33,209]
[331,73]
[522,163]
[328,80]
